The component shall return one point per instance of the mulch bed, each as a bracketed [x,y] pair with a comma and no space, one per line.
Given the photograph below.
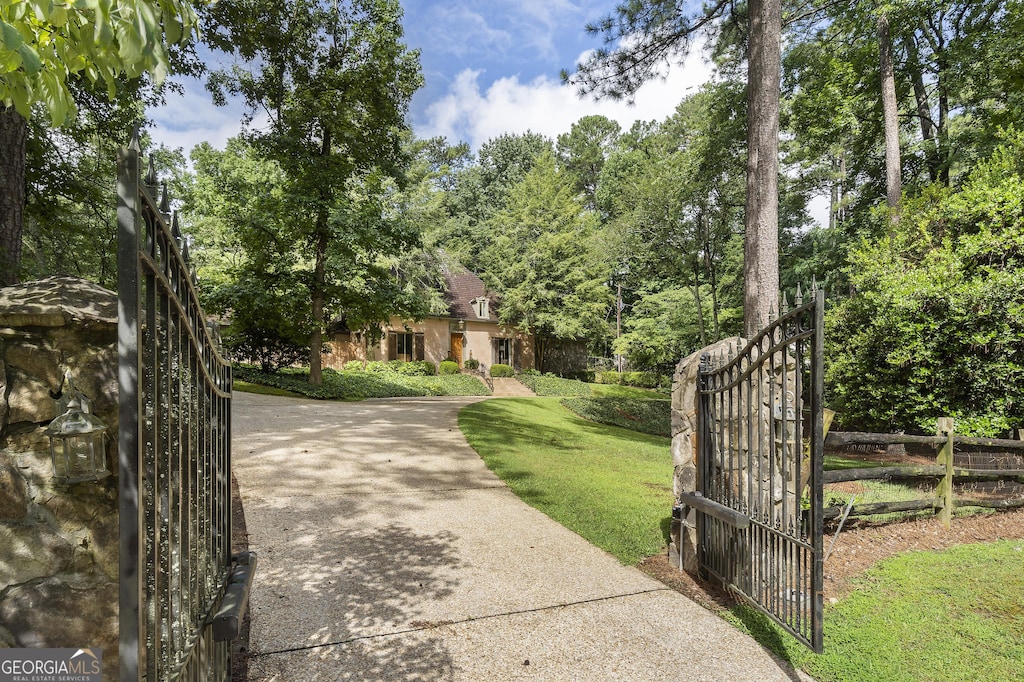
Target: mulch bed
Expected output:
[860,545]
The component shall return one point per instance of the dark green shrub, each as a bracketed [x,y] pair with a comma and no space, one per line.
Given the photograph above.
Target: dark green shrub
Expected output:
[936,323]
[640,379]
[413,368]
[448,367]
[501,371]
[473,364]
[646,416]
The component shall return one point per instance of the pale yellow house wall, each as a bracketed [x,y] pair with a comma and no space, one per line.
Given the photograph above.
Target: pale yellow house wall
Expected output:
[437,344]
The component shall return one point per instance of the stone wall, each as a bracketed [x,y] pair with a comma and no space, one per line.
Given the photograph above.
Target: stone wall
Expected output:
[58,544]
[683,539]
[754,464]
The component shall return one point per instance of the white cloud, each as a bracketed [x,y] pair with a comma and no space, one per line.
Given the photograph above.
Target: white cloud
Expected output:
[474,114]
[190,118]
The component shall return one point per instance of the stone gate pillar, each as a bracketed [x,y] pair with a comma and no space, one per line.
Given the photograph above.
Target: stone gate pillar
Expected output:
[683,538]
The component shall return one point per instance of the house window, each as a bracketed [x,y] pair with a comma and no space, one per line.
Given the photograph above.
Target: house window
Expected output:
[502,352]
[480,305]
[405,346]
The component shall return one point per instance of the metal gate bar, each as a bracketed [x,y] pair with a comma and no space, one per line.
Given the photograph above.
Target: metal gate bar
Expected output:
[174,448]
[761,455]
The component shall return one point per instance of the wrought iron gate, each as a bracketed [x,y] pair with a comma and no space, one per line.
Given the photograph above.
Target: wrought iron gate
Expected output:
[759,477]
[174,450]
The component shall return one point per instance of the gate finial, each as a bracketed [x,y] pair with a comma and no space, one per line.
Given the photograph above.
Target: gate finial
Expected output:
[799,296]
[165,200]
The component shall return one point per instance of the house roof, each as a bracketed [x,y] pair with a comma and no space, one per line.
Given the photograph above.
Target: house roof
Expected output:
[464,288]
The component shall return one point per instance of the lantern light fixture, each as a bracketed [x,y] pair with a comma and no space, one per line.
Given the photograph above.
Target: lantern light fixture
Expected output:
[77,439]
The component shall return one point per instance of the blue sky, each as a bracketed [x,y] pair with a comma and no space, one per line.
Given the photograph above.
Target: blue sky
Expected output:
[490,67]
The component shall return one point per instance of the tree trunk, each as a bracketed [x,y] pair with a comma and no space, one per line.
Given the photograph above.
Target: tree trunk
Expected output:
[893,184]
[319,285]
[13,133]
[924,109]
[316,339]
[761,247]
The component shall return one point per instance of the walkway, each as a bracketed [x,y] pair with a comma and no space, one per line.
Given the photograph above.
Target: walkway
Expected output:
[387,551]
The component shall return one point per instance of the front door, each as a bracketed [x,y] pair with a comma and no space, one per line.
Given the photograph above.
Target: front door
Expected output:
[457,348]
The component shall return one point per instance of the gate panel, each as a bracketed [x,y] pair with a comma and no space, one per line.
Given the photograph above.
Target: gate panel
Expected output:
[760,446]
[174,448]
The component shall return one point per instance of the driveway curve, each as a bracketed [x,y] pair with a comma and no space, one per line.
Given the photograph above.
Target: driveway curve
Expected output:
[388,551]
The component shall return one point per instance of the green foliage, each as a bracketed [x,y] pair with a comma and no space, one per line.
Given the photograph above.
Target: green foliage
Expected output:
[335,80]
[413,368]
[499,370]
[44,45]
[639,379]
[609,485]
[551,385]
[262,326]
[472,363]
[544,263]
[358,385]
[646,416]
[935,327]
[448,367]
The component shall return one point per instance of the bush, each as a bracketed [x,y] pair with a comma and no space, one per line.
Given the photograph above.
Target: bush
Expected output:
[472,364]
[646,416]
[935,325]
[637,379]
[414,368]
[549,384]
[501,371]
[376,366]
[353,366]
[448,367]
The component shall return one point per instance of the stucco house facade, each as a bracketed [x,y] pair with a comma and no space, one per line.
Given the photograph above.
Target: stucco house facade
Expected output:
[469,330]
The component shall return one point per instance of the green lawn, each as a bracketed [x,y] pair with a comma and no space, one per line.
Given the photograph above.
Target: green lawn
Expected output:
[613,486]
[955,615]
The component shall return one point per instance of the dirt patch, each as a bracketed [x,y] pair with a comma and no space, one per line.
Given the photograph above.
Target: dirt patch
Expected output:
[859,546]
[862,543]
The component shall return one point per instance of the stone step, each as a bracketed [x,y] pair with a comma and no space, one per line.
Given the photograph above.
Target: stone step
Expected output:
[506,387]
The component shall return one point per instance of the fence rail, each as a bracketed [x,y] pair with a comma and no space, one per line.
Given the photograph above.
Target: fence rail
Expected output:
[945,498]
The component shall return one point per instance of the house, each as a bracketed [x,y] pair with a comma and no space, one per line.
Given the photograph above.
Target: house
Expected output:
[469,330]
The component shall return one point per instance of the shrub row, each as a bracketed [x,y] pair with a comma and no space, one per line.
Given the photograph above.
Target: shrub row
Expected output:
[637,379]
[646,416]
[414,368]
[552,385]
[356,385]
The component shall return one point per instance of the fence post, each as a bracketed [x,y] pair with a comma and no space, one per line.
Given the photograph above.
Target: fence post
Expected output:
[944,427]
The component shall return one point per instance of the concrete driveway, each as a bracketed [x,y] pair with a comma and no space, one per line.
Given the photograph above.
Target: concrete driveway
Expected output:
[388,551]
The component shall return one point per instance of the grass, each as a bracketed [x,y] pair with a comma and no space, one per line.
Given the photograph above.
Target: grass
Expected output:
[358,385]
[610,485]
[646,416]
[954,615]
